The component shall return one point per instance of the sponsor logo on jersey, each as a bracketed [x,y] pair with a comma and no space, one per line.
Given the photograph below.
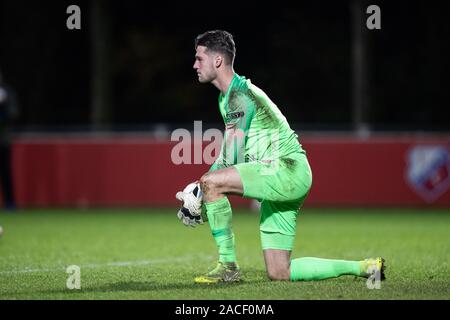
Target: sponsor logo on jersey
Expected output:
[234,115]
[427,171]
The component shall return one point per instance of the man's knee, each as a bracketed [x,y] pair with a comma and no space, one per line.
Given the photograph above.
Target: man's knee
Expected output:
[277,263]
[210,184]
[221,182]
[278,274]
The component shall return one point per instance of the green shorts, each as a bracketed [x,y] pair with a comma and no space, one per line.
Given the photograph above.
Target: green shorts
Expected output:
[281,187]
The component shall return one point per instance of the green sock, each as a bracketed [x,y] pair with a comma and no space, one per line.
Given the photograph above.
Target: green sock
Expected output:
[317,269]
[219,218]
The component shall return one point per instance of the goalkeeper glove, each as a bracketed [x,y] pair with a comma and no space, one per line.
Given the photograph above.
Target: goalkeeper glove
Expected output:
[191,210]
[192,201]
[188,219]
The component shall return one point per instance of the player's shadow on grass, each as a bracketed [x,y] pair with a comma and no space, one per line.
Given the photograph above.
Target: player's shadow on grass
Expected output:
[254,277]
[153,286]
[147,286]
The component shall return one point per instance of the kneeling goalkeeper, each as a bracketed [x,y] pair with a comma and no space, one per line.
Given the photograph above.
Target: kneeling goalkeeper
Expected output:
[262,159]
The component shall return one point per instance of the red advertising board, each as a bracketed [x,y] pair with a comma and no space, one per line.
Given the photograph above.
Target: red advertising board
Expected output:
[139,171]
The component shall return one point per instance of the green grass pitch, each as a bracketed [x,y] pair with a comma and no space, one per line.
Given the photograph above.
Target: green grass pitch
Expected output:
[149,254]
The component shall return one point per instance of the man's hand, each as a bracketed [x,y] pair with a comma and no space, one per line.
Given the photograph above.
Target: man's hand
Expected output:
[190,202]
[188,219]
[191,209]
[191,197]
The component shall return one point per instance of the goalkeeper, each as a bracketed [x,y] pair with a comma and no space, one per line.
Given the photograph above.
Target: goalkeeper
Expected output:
[261,159]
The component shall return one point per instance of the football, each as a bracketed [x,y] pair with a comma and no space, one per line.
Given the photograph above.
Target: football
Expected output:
[192,199]
[194,188]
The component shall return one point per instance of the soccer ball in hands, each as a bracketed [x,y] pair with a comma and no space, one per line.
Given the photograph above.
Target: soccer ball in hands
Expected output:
[191,197]
[191,210]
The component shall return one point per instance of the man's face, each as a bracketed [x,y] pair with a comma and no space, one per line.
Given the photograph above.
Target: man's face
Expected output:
[204,65]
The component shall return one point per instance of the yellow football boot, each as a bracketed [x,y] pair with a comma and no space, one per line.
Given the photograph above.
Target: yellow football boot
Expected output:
[223,272]
[373,266]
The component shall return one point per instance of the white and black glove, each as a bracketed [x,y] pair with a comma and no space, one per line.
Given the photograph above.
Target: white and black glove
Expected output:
[188,219]
[190,202]
[191,210]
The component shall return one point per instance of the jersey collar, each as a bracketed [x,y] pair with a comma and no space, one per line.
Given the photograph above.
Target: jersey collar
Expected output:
[232,84]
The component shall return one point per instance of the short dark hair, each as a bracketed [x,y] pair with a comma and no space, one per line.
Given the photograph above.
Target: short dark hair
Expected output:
[219,41]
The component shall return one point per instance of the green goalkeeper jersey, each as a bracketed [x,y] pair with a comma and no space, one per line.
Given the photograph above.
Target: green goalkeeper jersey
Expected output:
[255,129]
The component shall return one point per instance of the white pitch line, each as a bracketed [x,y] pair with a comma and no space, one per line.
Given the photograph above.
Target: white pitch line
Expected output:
[110,264]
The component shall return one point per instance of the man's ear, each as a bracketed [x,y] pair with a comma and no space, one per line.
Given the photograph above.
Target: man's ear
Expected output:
[218,60]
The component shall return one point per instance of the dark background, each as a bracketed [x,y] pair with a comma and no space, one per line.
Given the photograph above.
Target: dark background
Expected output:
[300,55]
